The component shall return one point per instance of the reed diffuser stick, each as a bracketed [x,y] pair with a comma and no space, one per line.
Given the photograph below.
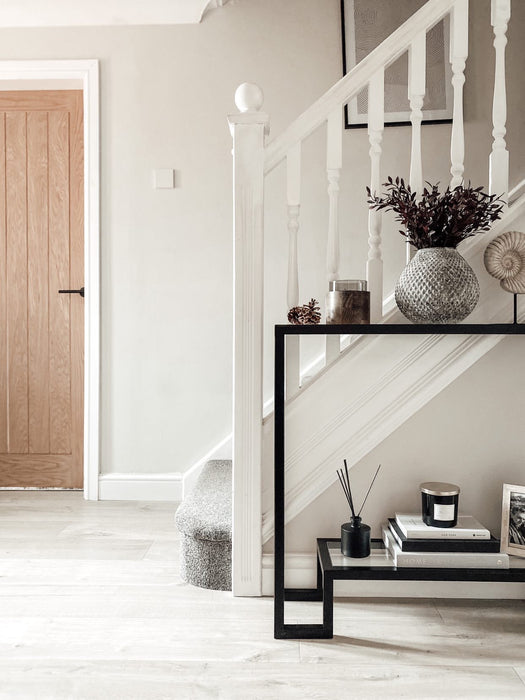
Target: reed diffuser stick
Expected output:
[349,489]
[346,491]
[344,480]
[369,489]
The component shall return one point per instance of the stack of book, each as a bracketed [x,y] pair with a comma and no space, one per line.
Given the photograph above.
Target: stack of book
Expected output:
[468,545]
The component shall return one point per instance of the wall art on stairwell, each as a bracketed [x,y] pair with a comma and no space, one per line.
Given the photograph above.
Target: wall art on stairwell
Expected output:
[365,24]
[513,520]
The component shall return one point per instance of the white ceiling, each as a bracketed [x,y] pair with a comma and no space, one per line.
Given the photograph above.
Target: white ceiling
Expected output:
[71,13]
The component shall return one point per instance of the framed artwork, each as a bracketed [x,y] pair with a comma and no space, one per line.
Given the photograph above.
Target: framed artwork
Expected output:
[513,520]
[365,24]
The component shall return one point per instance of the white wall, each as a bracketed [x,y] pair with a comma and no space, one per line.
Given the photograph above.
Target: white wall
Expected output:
[166,255]
[471,435]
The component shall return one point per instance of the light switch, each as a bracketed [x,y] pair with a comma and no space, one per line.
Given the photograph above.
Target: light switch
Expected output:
[164,179]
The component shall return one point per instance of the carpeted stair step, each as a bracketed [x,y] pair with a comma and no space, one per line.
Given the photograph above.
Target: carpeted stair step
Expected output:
[204,519]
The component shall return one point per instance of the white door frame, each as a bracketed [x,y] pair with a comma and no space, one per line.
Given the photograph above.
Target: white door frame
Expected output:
[70,75]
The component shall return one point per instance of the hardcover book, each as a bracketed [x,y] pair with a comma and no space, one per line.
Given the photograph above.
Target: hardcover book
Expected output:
[413,527]
[448,544]
[444,560]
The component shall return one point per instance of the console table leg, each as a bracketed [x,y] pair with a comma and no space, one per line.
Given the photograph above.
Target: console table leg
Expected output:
[328,607]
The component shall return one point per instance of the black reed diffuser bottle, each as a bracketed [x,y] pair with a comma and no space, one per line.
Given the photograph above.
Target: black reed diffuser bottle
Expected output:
[355,535]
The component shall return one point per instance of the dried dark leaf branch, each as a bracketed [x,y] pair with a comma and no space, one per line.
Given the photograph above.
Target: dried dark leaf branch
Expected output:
[435,220]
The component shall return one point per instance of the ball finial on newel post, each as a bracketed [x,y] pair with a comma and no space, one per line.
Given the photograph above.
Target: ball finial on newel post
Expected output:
[249,97]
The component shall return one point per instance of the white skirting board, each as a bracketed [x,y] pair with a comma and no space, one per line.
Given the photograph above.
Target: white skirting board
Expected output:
[301,572]
[223,450]
[173,486]
[140,487]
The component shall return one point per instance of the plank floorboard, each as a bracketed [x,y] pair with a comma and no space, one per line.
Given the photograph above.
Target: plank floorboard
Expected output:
[153,680]
[430,643]
[74,548]
[467,611]
[92,606]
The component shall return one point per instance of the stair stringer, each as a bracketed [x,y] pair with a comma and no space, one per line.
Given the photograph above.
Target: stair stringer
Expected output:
[374,387]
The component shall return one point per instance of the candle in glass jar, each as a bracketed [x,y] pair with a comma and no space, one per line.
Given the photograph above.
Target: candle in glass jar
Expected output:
[439,503]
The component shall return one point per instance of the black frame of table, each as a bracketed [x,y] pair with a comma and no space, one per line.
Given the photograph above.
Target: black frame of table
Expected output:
[326,573]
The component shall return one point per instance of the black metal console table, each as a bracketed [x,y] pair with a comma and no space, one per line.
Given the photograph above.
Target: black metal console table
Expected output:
[330,564]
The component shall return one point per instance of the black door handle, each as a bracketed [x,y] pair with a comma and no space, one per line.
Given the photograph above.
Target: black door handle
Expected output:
[72,291]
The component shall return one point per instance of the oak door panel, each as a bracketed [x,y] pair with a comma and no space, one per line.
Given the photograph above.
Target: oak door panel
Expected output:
[41,331]
[59,320]
[76,263]
[16,219]
[38,282]
[3,295]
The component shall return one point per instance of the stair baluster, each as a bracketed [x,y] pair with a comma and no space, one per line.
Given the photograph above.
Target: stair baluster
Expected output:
[293,193]
[416,94]
[334,162]
[376,124]
[458,58]
[499,158]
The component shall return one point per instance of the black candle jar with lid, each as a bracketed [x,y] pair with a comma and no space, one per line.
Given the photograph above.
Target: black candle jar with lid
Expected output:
[439,503]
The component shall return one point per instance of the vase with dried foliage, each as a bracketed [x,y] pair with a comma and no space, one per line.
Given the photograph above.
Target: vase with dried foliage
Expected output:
[438,285]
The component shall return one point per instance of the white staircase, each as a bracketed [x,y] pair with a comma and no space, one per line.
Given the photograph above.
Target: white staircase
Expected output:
[347,409]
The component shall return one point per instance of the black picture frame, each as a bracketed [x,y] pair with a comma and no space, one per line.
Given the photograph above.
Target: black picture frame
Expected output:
[354,116]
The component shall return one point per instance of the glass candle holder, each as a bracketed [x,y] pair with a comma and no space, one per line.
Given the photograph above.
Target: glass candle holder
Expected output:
[348,301]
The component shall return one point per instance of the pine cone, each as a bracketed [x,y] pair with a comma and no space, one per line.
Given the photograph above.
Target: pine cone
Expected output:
[311,313]
[295,315]
[306,315]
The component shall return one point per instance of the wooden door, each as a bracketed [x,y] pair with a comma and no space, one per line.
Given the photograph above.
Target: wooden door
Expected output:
[41,251]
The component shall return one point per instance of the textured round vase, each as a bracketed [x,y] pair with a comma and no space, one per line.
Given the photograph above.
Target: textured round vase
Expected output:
[437,286]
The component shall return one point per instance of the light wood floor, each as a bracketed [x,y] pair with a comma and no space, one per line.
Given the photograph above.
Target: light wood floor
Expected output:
[92,606]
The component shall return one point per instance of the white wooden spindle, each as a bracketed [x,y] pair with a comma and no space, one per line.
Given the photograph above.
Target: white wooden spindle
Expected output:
[499,158]
[416,95]
[458,58]
[248,129]
[417,55]
[293,195]
[376,124]
[334,162]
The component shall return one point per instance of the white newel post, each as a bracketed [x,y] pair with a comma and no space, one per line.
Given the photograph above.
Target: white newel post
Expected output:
[458,58]
[376,124]
[334,163]
[417,56]
[499,158]
[248,130]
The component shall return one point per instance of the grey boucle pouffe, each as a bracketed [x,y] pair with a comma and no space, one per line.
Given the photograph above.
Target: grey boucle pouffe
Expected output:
[204,519]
